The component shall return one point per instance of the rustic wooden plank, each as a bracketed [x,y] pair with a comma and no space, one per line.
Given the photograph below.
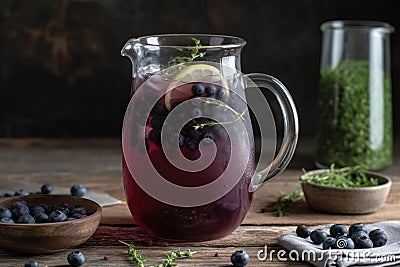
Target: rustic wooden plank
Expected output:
[117,256]
[242,236]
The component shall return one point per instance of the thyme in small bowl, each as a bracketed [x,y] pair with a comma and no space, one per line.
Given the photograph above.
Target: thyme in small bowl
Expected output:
[348,177]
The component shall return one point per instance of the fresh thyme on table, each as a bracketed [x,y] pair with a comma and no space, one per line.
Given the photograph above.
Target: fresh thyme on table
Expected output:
[280,206]
[345,177]
[172,255]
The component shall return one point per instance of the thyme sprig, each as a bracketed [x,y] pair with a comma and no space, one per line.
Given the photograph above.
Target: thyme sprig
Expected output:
[280,206]
[194,53]
[224,107]
[172,255]
[353,176]
[135,256]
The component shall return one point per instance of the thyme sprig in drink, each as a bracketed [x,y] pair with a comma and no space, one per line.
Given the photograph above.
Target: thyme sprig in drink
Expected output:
[188,148]
[204,97]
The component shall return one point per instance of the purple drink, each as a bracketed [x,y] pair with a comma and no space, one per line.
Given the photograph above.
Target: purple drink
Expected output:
[176,223]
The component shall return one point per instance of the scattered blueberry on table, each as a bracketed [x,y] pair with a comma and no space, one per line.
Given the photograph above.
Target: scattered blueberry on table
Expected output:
[338,230]
[31,264]
[318,236]
[46,189]
[303,231]
[339,237]
[78,190]
[240,258]
[76,258]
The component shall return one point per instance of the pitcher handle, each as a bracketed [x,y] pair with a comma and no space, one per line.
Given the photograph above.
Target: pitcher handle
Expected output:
[290,129]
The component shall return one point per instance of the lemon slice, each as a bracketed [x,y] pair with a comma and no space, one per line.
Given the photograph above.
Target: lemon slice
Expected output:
[180,89]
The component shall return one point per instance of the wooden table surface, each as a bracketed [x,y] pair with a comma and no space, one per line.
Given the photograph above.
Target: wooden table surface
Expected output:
[97,163]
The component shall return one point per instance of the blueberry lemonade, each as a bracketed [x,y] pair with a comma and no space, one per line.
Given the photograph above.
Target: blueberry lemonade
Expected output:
[189,123]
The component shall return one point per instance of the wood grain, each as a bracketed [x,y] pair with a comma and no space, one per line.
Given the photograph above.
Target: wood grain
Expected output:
[98,165]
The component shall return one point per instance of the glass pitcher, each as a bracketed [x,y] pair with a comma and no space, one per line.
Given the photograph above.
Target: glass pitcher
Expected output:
[355,105]
[189,164]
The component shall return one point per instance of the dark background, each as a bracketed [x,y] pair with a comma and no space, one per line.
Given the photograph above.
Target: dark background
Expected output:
[61,73]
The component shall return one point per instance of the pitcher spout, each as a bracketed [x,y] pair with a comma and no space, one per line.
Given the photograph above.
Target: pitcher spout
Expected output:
[129,49]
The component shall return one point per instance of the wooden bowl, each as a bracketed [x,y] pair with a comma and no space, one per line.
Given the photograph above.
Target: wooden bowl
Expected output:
[339,200]
[44,238]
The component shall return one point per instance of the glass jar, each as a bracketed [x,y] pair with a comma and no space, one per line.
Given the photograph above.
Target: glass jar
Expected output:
[355,108]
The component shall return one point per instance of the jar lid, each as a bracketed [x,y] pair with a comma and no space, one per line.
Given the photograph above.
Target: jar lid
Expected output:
[357,25]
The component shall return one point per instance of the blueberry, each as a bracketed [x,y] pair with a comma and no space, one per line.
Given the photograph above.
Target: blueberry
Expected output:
[21,192]
[193,133]
[375,231]
[78,216]
[209,135]
[18,204]
[41,218]
[302,231]
[240,258]
[211,90]
[6,220]
[358,235]
[76,258]
[156,123]
[343,243]
[9,194]
[337,230]
[28,219]
[5,212]
[71,218]
[155,137]
[378,238]
[20,211]
[37,210]
[62,207]
[78,190]
[46,189]
[182,140]
[57,216]
[221,94]
[329,243]
[361,240]
[357,227]
[318,236]
[79,209]
[363,243]
[198,89]
[350,243]
[31,264]
[192,144]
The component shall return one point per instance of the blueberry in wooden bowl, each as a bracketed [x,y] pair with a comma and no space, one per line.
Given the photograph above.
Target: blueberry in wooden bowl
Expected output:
[42,224]
[349,190]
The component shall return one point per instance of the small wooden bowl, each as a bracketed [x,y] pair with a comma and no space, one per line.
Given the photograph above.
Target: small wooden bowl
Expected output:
[339,200]
[44,238]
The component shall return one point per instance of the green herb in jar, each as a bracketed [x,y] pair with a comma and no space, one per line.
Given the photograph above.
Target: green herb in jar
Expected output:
[345,177]
[355,126]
